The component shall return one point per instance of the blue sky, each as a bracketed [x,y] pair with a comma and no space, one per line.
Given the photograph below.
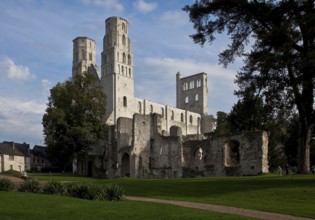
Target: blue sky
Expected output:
[36,53]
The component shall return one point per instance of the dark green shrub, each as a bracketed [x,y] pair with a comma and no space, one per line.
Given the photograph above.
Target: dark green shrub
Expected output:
[6,185]
[114,192]
[30,185]
[85,191]
[54,187]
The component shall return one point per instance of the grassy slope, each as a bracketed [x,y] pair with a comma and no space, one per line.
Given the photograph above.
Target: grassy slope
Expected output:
[14,205]
[294,194]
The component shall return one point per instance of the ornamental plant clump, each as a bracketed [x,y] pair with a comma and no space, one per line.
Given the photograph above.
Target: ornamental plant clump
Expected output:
[114,192]
[54,187]
[30,185]
[6,185]
[85,191]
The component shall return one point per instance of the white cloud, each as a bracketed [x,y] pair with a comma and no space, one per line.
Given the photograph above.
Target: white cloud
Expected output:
[21,120]
[144,6]
[178,18]
[108,4]
[15,72]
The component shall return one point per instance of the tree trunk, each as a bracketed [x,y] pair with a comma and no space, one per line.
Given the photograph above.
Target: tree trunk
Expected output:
[305,137]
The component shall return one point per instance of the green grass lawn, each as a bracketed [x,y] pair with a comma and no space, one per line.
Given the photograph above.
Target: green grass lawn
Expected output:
[294,194]
[15,205]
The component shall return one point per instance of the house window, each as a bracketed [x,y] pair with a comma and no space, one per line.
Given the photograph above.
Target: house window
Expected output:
[186,99]
[125,101]
[197,98]
[11,157]
[198,82]
[90,56]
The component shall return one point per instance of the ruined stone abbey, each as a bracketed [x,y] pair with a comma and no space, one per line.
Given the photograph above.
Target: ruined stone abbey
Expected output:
[153,140]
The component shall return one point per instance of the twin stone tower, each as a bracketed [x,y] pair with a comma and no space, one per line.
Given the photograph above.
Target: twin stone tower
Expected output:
[140,128]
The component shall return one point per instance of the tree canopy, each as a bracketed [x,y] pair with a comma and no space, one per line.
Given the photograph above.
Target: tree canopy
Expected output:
[73,119]
[279,67]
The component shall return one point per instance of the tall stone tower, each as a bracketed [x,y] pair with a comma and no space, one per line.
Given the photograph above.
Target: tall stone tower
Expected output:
[192,93]
[117,70]
[84,55]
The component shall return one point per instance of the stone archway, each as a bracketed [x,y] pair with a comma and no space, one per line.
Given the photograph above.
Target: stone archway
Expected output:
[125,165]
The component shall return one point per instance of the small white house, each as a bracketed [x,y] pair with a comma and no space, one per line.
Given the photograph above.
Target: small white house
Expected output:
[11,158]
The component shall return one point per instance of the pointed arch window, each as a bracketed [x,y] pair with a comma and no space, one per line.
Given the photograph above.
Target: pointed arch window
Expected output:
[129,59]
[172,116]
[162,111]
[151,108]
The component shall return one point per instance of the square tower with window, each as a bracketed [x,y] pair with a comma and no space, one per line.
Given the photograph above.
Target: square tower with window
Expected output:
[117,70]
[192,93]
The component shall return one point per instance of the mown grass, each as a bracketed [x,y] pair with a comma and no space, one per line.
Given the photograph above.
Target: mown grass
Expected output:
[294,194]
[14,205]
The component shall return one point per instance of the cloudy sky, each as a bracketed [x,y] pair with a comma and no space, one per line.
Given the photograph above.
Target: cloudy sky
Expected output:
[36,53]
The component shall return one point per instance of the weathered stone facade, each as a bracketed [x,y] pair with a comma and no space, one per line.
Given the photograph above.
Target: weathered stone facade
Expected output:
[152,140]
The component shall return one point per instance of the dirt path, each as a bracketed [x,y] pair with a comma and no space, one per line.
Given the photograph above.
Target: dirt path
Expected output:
[222,209]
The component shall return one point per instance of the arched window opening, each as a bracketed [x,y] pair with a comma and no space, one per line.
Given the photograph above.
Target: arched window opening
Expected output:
[82,55]
[172,116]
[186,100]
[117,56]
[124,40]
[162,112]
[151,108]
[129,72]
[196,97]
[139,107]
[124,27]
[90,56]
[122,70]
[129,59]
[124,58]
[198,82]
[182,117]
[125,101]
[118,68]
[232,153]
[190,119]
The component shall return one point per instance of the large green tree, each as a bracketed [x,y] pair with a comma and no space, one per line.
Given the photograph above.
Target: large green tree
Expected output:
[73,121]
[277,41]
